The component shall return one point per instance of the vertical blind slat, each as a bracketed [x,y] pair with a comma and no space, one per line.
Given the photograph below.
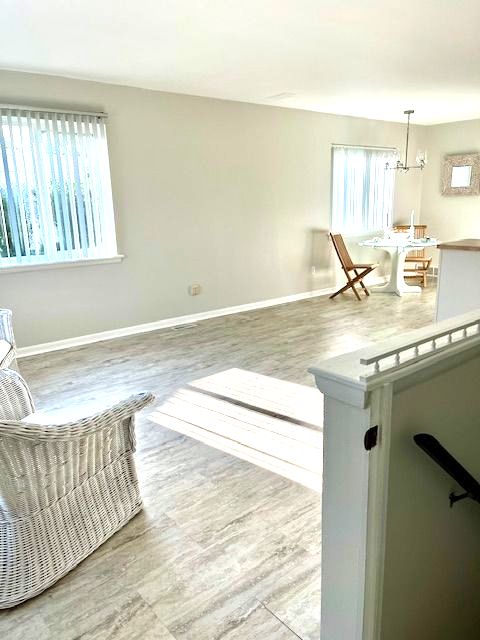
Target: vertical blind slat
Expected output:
[41,168]
[20,205]
[90,159]
[85,182]
[55,150]
[55,192]
[103,195]
[66,162]
[28,196]
[77,186]
[9,193]
[6,239]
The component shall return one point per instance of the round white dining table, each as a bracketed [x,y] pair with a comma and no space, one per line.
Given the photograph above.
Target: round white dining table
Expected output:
[398,250]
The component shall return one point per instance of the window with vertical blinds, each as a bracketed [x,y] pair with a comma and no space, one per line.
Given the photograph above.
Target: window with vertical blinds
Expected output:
[55,192]
[362,189]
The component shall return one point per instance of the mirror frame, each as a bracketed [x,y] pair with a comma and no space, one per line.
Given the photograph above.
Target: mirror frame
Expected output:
[461,160]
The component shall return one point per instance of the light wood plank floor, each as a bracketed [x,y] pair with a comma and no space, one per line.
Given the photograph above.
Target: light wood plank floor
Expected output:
[224,550]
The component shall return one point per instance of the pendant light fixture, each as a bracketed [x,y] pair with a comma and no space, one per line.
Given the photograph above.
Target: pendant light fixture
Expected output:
[421,158]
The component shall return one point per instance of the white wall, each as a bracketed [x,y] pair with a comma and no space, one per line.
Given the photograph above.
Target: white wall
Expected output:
[432,561]
[449,217]
[221,193]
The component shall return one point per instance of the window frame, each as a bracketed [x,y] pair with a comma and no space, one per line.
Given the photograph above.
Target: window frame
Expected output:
[95,168]
[352,231]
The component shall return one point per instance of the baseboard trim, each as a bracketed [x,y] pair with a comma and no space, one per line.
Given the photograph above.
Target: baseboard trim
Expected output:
[69,343]
[80,341]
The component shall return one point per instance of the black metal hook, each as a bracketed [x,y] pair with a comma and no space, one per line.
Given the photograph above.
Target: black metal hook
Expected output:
[453,497]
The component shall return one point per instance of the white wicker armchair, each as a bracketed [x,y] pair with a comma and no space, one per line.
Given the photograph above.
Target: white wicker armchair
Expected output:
[64,488]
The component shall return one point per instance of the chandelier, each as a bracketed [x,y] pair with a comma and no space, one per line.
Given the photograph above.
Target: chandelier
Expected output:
[421,158]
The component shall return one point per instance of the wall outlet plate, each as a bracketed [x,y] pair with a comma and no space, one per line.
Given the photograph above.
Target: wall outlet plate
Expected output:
[194,289]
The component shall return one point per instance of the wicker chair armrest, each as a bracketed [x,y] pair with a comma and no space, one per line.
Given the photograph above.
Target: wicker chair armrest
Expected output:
[6,327]
[80,428]
[7,353]
[15,398]
[7,356]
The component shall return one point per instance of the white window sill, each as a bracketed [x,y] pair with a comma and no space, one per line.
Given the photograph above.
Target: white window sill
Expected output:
[40,266]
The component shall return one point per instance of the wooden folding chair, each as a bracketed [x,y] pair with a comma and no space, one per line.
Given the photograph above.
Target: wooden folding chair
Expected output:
[360,270]
[416,262]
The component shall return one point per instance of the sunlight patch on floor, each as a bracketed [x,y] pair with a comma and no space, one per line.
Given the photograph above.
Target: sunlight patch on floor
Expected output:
[274,424]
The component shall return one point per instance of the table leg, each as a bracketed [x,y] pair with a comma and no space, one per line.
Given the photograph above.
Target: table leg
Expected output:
[396,283]
[402,286]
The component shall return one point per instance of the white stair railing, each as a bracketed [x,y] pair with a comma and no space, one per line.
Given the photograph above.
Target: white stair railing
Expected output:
[423,344]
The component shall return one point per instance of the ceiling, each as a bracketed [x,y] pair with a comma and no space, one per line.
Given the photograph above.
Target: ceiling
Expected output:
[371,58]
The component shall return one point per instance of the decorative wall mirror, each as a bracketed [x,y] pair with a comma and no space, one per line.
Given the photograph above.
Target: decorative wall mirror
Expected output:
[461,175]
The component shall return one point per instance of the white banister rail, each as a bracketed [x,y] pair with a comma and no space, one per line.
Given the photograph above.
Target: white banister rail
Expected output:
[424,344]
